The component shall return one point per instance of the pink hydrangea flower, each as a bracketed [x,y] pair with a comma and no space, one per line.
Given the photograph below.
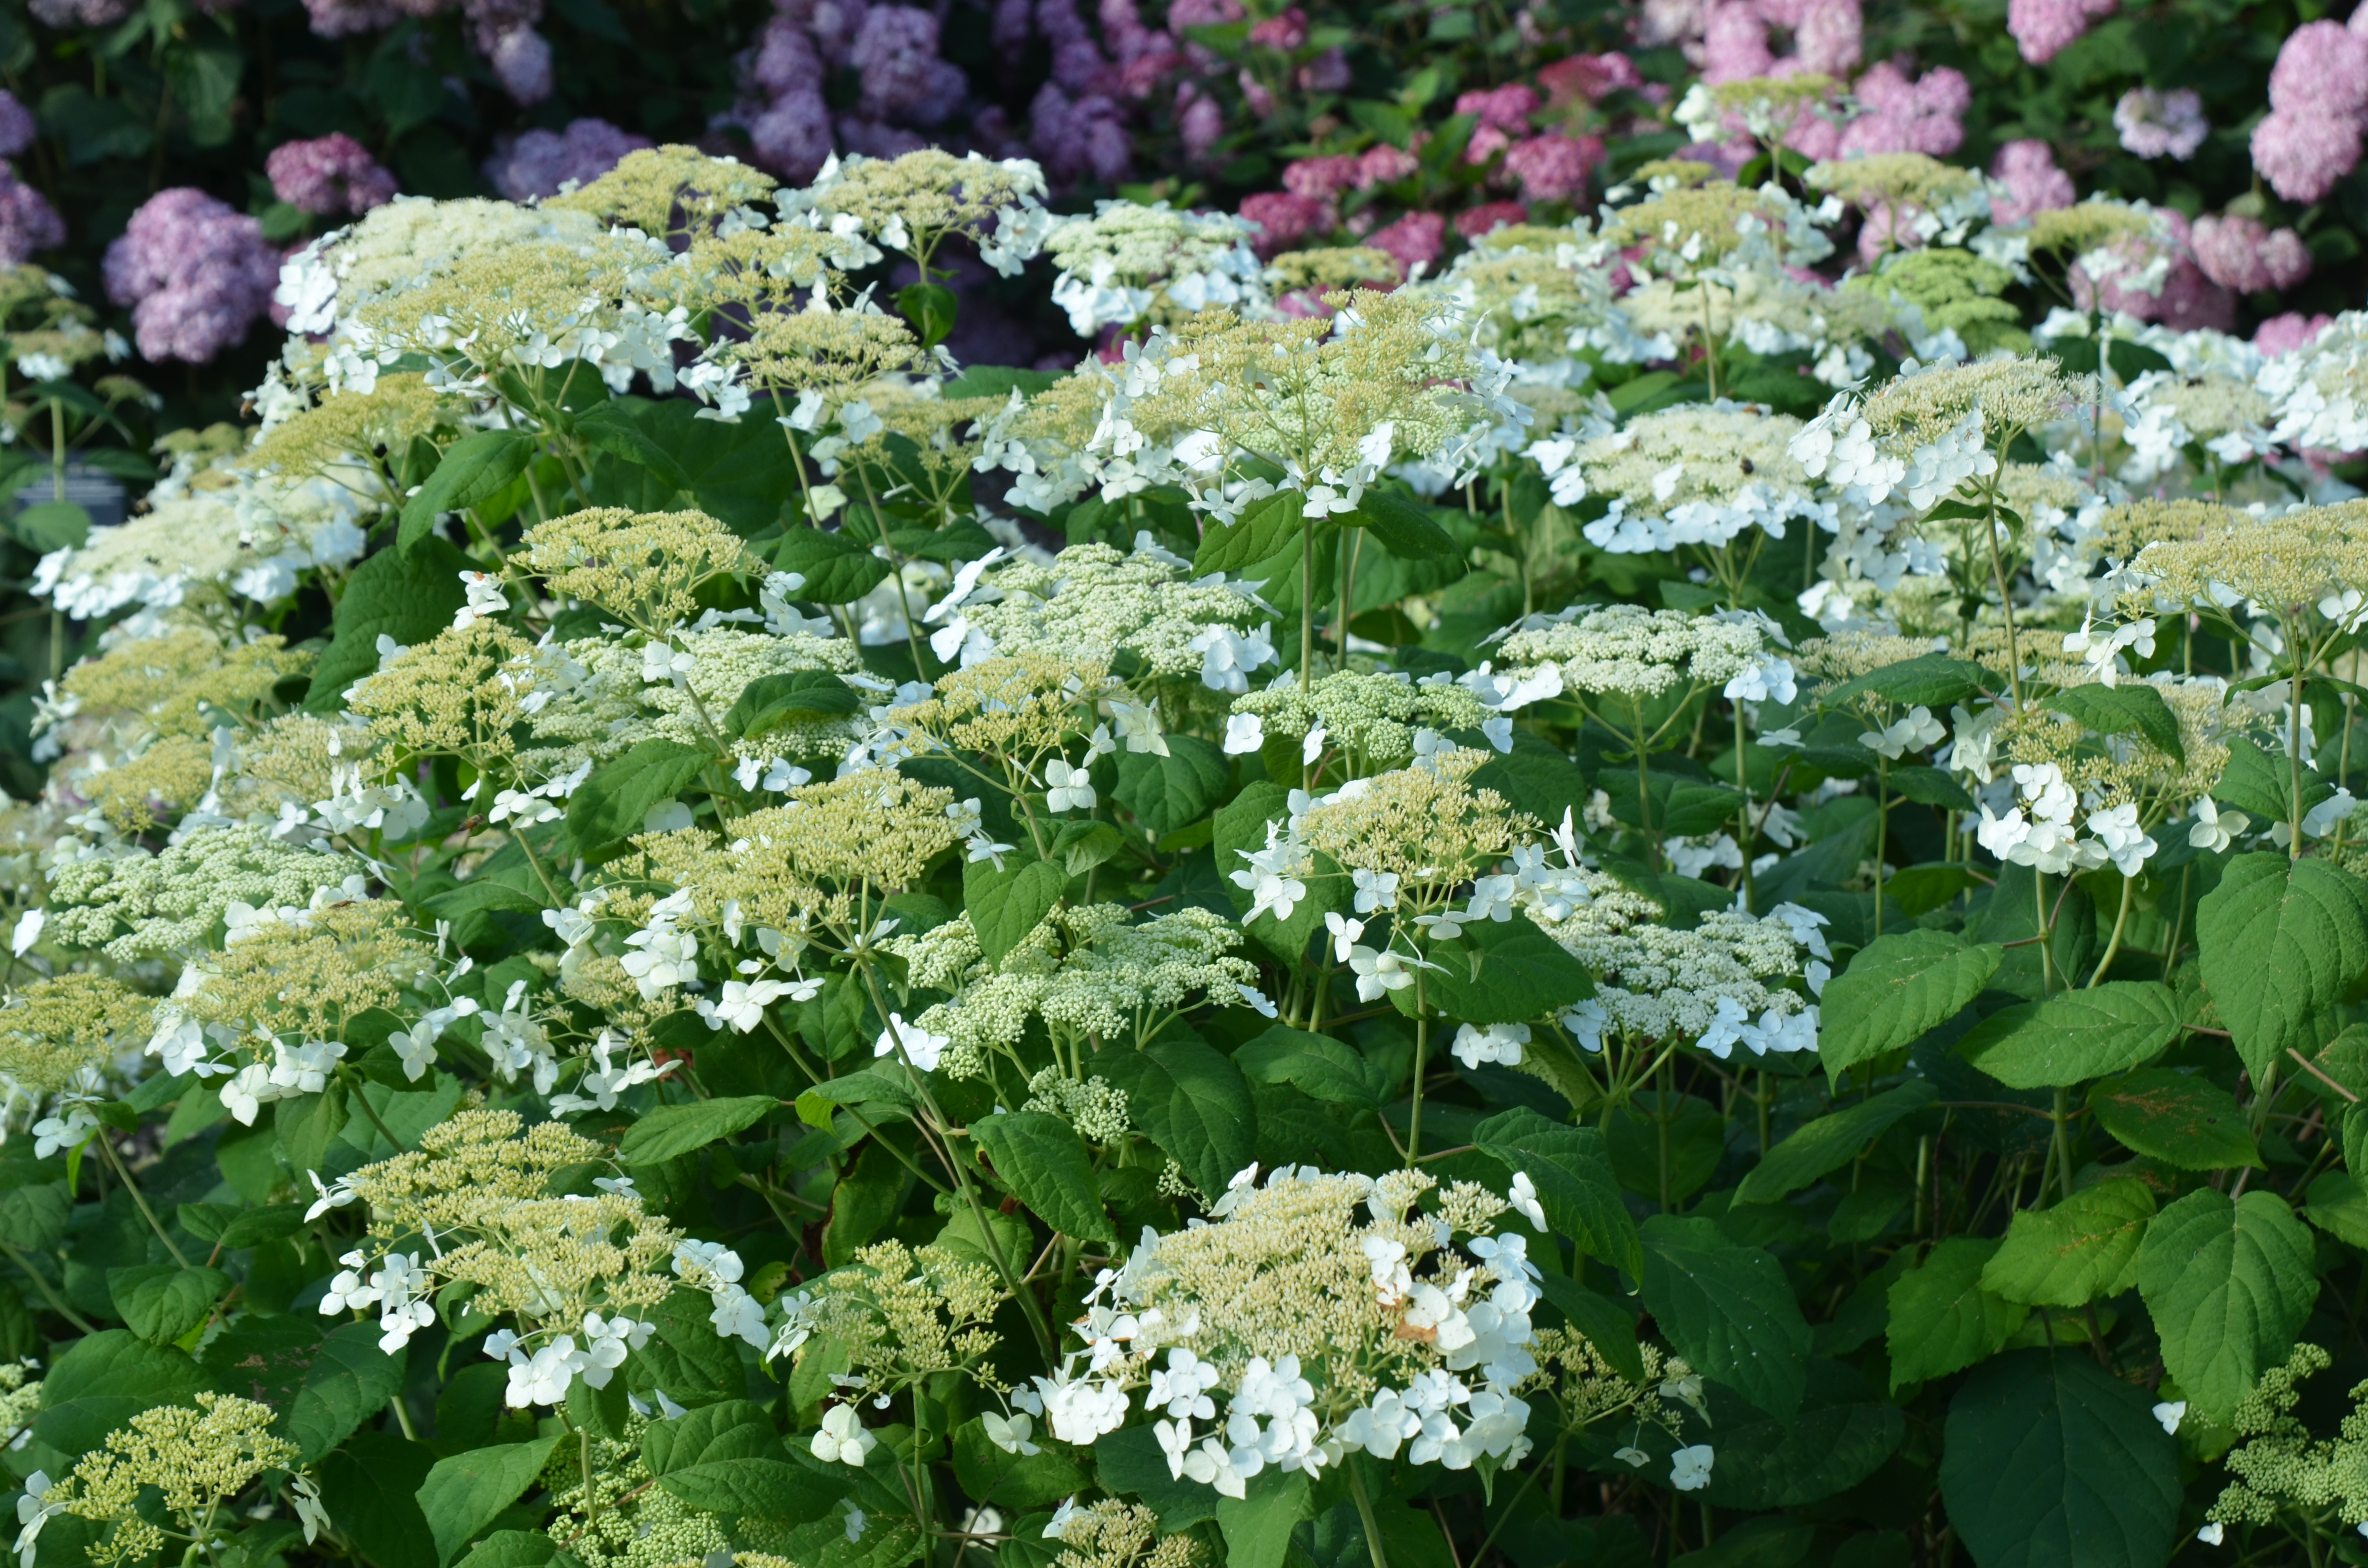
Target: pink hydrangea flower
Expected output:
[539,162]
[195,274]
[28,221]
[2237,252]
[330,174]
[1384,164]
[1830,36]
[2043,27]
[2283,335]
[1287,33]
[1584,78]
[2034,183]
[1553,167]
[1504,109]
[2303,155]
[2187,299]
[1284,219]
[1323,178]
[2322,68]
[1201,126]
[1474,222]
[1485,143]
[2159,125]
[1414,240]
[1921,116]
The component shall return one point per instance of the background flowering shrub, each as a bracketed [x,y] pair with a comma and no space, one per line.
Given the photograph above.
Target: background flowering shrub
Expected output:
[1585,798]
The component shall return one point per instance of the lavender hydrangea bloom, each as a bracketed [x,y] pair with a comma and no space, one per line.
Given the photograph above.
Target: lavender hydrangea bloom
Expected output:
[2158,125]
[343,18]
[65,14]
[195,274]
[329,174]
[792,136]
[896,53]
[521,63]
[28,221]
[16,128]
[539,162]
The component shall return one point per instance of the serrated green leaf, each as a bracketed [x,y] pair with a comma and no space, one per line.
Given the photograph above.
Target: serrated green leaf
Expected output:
[1192,1103]
[1571,1168]
[1262,532]
[1830,1143]
[464,1494]
[1404,527]
[1503,972]
[991,1474]
[2049,1460]
[2071,1255]
[756,1488]
[770,702]
[2074,1036]
[160,1303]
[1942,1321]
[1166,793]
[1005,905]
[833,569]
[676,1129]
[475,468]
[1728,1309]
[405,596]
[2228,1285]
[2135,709]
[613,804]
[2175,1117]
[1929,680]
[1047,1165]
[1317,1065]
[104,1380]
[1896,989]
[2282,944]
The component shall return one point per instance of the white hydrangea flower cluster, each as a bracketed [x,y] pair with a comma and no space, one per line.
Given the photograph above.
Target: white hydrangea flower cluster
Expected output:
[2038,830]
[1129,262]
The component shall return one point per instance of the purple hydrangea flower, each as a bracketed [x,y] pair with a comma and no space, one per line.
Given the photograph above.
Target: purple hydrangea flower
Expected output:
[28,221]
[329,174]
[195,274]
[16,128]
[539,162]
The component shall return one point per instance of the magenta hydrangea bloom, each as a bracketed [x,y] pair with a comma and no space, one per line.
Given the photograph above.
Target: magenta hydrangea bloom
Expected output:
[1501,108]
[1584,78]
[16,128]
[1284,219]
[2237,253]
[2283,335]
[2042,27]
[1287,33]
[1321,178]
[195,274]
[539,162]
[2034,183]
[28,221]
[1474,222]
[1413,241]
[330,174]
[1553,167]
[1381,163]
[1920,116]
[2303,155]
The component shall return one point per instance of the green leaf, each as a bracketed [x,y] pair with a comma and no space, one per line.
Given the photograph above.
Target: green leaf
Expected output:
[1258,1525]
[370,1488]
[33,1218]
[1168,792]
[160,1303]
[464,1494]
[47,525]
[1129,1463]
[882,1092]
[2227,1285]
[676,1129]
[837,570]
[1005,905]
[1728,1309]
[104,1380]
[612,805]
[1844,1432]
[610,427]
[2263,785]
[757,1488]
[473,468]
[1929,787]
[2051,1461]
[2075,1253]
[350,1380]
[1571,1169]
[1503,972]
[307,1125]
[2136,709]
[2339,1207]
[407,595]
[1264,532]
[771,702]
[930,308]
[2168,1115]
[511,1549]
[1931,680]
[1404,526]
[1046,1163]
[1941,1319]
[2074,1036]
[2282,944]
[998,380]
[1830,1143]
[1192,1103]
[1610,1329]
[1315,1064]
[1896,989]
[989,1474]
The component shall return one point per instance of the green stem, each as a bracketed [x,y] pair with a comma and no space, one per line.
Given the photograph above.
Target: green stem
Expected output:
[2121,920]
[106,1147]
[1365,1513]
[1421,1066]
[49,1295]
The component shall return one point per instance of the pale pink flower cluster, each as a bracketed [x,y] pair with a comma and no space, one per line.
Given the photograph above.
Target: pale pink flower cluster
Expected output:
[329,174]
[195,274]
[2161,125]
[2042,28]
[2237,253]
[1827,39]
[2283,335]
[2188,299]
[2318,99]
[2034,184]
